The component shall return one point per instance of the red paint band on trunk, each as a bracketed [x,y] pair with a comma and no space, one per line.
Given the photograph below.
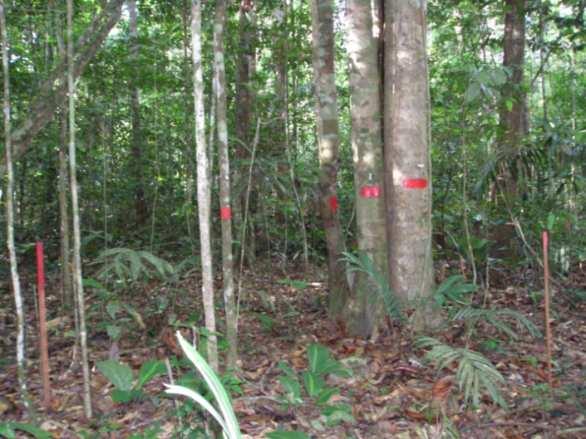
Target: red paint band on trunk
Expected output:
[225,213]
[415,183]
[333,202]
[370,191]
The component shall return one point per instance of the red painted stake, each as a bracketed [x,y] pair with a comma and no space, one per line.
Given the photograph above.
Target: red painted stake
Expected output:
[548,340]
[43,341]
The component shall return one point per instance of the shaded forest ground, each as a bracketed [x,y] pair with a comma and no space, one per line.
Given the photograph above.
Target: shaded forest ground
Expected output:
[393,392]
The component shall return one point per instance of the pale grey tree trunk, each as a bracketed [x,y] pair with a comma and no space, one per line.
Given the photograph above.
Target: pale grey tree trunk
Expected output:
[87,402]
[9,205]
[407,156]
[225,201]
[328,137]
[203,184]
[365,305]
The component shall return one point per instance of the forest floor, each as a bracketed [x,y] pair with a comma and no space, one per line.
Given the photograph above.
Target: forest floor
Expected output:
[393,392]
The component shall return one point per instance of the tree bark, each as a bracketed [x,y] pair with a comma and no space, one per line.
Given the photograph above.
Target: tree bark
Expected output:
[203,192]
[140,206]
[407,156]
[365,305]
[328,135]
[9,205]
[225,201]
[53,91]
[87,401]
[513,114]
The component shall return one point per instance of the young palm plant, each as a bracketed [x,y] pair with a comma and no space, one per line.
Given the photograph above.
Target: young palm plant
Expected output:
[224,415]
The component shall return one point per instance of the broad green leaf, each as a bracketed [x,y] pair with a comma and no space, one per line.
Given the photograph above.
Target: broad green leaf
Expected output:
[313,383]
[282,434]
[7,429]
[117,373]
[148,371]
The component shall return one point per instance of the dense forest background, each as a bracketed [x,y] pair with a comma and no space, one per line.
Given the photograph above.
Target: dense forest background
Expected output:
[506,109]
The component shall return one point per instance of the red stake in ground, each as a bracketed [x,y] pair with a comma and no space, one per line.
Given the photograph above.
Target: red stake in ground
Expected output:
[43,341]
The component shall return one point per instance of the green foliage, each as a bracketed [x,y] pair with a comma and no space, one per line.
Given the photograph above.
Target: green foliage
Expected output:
[454,289]
[8,430]
[225,416]
[364,264]
[126,265]
[281,434]
[475,373]
[497,318]
[126,388]
[312,382]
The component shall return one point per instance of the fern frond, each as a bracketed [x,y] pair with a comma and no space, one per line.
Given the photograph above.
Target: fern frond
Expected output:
[496,317]
[475,373]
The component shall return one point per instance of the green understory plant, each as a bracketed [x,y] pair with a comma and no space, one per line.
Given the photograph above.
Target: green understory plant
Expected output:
[475,374]
[8,430]
[364,264]
[127,388]
[224,413]
[311,383]
[498,318]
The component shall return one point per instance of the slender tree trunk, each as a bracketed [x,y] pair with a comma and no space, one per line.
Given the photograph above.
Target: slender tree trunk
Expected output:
[87,402]
[140,206]
[513,114]
[364,307]
[203,193]
[9,204]
[328,146]
[225,202]
[407,156]
[66,279]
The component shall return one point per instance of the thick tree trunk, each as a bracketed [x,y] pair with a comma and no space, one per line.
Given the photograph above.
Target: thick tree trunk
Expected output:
[140,207]
[365,305]
[246,65]
[87,401]
[513,114]
[407,156]
[53,91]
[203,184]
[225,202]
[9,205]
[328,145]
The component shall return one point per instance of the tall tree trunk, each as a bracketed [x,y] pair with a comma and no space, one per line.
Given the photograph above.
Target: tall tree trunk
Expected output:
[140,207]
[87,401]
[513,114]
[407,156]
[322,12]
[203,184]
[225,202]
[364,307]
[9,205]
[246,65]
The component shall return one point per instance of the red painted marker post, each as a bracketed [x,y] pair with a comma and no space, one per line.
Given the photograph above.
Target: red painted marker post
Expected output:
[548,341]
[43,340]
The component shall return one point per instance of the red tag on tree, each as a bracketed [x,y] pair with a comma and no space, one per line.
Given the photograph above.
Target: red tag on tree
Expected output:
[415,183]
[370,191]
[333,201]
[225,213]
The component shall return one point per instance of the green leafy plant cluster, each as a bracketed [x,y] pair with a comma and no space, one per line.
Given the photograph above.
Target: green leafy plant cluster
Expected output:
[9,430]
[311,383]
[475,374]
[127,388]
[127,265]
